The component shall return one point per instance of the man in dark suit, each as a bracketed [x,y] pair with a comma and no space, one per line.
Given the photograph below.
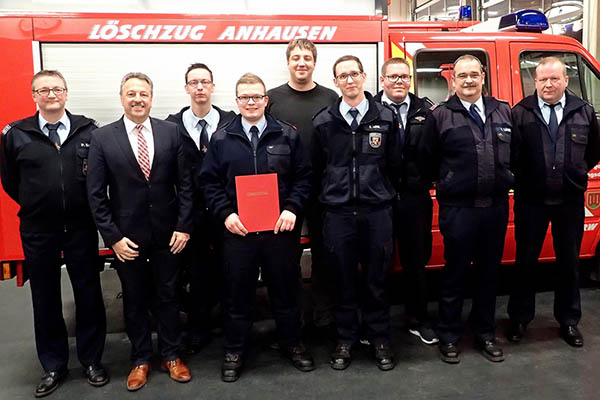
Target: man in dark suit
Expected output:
[43,162]
[197,123]
[146,217]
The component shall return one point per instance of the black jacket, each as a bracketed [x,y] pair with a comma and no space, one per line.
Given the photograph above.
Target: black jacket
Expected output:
[542,175]
[195,156]
[230,154]
[48,184]
[147,212]
[356,169]
[410,176]
[469,171]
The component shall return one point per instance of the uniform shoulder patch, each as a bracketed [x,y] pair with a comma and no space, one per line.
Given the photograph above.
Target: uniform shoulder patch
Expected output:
[6,129]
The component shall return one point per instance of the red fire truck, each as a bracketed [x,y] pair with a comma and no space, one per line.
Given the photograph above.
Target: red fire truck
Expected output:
[94,50]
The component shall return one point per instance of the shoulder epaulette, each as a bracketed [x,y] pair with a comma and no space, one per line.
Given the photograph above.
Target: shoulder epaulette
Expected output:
[428,102]
[287,123]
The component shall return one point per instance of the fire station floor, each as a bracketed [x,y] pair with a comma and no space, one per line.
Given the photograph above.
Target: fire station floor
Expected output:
[542,366]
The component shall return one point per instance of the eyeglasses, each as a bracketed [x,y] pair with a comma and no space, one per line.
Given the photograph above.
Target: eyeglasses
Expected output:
[194,83]
[344,77]
[257,98]
[396,78]
[463,77]
[46,91]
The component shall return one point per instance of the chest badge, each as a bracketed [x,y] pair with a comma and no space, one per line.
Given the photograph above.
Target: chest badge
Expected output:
[419,118]
[375,139]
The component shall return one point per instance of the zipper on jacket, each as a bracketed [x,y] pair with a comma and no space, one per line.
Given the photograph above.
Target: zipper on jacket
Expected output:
[62,185]
[354,189]
[255,167]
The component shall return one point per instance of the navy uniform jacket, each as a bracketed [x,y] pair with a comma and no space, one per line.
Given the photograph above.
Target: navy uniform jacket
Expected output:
[230,154]
[469,171]
[195,156]
[356,169]
[545,176]
[147,212]
[47,183]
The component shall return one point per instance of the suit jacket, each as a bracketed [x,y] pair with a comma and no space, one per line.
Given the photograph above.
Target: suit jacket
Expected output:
[147,212]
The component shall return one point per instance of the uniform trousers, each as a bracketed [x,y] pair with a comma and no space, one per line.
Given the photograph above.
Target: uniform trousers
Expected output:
[471,235]
[43,264]
[531,225]
[413,213]
[242,257]
[149,283]
[364,239]
[203,256]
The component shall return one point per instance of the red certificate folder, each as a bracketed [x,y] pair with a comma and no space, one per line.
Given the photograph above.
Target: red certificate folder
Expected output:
[258,201]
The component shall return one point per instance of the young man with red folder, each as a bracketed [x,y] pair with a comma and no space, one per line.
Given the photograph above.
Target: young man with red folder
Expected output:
[255,143]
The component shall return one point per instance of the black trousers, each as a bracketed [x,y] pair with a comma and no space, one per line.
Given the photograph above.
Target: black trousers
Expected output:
[43,262]
[242,257]
[475,235]
[366,239]
[149,283]
[413,213]
[203,256]
[321,300]
[531,225]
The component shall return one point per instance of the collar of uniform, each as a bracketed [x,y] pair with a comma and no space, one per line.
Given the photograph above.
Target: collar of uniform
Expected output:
[362,107]
[64,120]
[192,120]
[261,125]
[542,103]
[130,125]
[385,99]
[478,103]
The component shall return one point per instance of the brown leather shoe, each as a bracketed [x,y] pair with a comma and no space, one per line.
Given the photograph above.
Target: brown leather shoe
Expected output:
[177,370]
[137,377]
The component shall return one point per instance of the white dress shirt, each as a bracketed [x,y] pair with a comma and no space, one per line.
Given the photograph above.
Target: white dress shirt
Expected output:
[260,125]
[190,122]
[478,104]
[362,108]
[132,135]
[403,110]
[63,129]
[558,109]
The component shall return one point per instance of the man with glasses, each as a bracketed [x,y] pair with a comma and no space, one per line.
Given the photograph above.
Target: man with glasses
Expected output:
[197,123]
[466,150]
[43,164]
[356,161]
[256,143]
[296,102]
[413,207]
[556,144]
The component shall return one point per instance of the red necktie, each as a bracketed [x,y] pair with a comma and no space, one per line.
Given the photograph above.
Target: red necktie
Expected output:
[143,155]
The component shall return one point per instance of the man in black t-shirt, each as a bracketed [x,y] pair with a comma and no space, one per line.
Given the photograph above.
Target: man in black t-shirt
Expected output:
[296,102]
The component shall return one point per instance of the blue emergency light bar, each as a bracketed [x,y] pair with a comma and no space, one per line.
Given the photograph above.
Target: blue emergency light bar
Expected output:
[525,21]
[465,13]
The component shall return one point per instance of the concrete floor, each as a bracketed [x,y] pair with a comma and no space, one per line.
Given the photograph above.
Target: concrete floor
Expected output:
[540,367]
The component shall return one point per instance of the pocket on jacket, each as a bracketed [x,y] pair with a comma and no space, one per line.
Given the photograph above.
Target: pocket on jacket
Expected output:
[578,140]
[504,137]
[336,185]
[82,159]
[278,157]
[372,184]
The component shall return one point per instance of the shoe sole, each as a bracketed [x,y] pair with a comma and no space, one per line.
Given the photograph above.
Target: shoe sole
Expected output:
[229,379]
[418,334]
[98,384]
[135,388]
[387,367]
[576,345]
[305,369]
[38,395]
[491,357]
[339,367]
[450,360]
